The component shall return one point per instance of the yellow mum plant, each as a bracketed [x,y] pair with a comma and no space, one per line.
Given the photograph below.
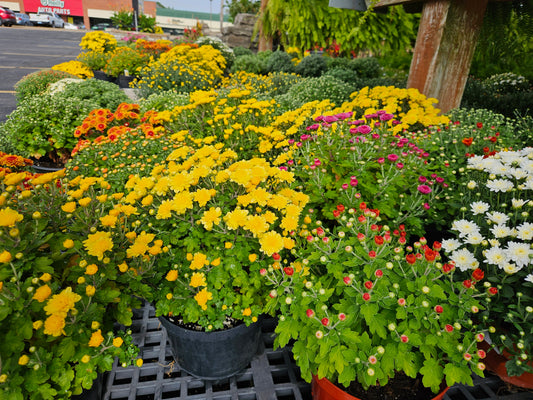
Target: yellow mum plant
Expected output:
[222,223]
[61,289]
[76,68]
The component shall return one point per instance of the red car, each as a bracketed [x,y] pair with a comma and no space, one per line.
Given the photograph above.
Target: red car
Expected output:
[7,17]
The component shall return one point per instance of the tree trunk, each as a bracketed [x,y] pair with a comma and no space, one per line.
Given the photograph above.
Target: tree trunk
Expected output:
[265,43]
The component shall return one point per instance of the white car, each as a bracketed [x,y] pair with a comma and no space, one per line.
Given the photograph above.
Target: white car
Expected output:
[47,19]
[68,25]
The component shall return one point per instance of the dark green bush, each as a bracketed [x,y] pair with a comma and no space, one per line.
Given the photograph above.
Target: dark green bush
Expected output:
[279,61]
[104,94]
[311,89]
[249,63]
[368,67]
[313,65]
[242,51]
[506,94]
[37,82]
[338,62]
[344,74]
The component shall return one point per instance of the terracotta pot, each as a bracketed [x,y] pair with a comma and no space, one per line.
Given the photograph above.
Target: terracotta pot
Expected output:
[324,389]
[495,363]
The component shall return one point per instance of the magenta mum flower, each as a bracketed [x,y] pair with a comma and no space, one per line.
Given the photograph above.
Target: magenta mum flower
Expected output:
[364,129]
[392,157]
[424,189]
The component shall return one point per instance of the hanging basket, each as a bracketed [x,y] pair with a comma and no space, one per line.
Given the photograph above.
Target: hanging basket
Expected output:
[324,389]
[213,355]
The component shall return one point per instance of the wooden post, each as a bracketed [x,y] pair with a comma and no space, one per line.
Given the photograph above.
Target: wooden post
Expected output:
[444,48]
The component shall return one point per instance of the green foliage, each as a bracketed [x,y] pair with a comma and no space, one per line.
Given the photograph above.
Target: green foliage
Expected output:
[146,24]
[249,63]
[242,51]
[103,94]
[37,82]
[311,89]
[307,24]
[367,67]
[242,7]
[163,101]
[313,65]
[44,125]
[125,59]
[506,94]
[345,75]
[123,20]
[279,61]
[95,60]
[506,40]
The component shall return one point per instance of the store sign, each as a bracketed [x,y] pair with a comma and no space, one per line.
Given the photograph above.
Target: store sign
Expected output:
[61,7]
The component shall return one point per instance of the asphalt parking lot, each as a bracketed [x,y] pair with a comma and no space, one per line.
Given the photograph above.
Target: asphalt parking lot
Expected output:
[24,50]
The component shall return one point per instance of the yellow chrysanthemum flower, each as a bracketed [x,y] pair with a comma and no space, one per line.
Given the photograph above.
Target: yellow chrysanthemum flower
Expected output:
[9,217]
[42,293]
[91,269]
[236,218]
[256,224]
[210,217]
[140,246]
[202,297]
[96,339]
[271,242]
[198,279]
[62,303]
[54,325]
[198,261]
[98,243]
[5,256]
[109,220]
[172,275]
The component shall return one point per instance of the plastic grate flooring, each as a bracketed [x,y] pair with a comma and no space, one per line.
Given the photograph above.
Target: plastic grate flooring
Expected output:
[271,375]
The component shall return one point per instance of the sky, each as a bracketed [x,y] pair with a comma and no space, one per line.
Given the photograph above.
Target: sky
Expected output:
[193,5]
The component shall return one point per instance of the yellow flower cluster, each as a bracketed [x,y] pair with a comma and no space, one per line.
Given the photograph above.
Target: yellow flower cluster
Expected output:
[57,309]
[76,68]
[410,107]
[98,41]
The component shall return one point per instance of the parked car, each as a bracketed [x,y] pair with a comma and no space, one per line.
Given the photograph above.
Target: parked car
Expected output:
[23,19]
[47,19]
[102,26]
[68,25]
[7,17]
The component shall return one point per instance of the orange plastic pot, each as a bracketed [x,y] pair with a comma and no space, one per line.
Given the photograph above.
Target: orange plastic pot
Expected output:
[495,363]
[323,389]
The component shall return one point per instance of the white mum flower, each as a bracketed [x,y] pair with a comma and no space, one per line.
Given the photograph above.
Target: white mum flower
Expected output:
[496,256]
[529,278]
[465,227]
[501,231]
[520,173]
[498,217]
[494,242]
[474,238]
[526,164]
[518,203]
[449,245]
[528,184]
[479,207]
[500,185]
[471,185]
[519,253]
[464,259]
[525,231]
[511,268]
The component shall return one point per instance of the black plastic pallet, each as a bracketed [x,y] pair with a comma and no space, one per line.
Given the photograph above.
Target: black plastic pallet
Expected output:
[271,375]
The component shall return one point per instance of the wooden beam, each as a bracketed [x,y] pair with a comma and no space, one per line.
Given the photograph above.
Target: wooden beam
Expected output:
[444,49]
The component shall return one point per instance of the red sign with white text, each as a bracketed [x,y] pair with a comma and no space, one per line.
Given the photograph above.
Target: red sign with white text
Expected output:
[61,7]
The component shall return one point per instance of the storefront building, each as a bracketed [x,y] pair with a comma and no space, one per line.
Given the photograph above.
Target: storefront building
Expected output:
[81,11]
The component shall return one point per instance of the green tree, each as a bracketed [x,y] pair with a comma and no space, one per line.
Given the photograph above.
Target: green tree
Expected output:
[242,6]
[506,40]
[312,23]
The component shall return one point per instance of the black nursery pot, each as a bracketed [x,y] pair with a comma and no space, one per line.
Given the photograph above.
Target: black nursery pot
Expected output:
[102,76]
[96,392]
[124,81]
[213,355]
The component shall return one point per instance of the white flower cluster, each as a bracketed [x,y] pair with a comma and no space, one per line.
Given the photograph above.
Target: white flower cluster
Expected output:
[496,235]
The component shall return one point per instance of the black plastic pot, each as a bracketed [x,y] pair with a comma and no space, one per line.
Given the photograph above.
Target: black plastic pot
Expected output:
[102,76]
[213,355]
[124,81]
[96,392]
